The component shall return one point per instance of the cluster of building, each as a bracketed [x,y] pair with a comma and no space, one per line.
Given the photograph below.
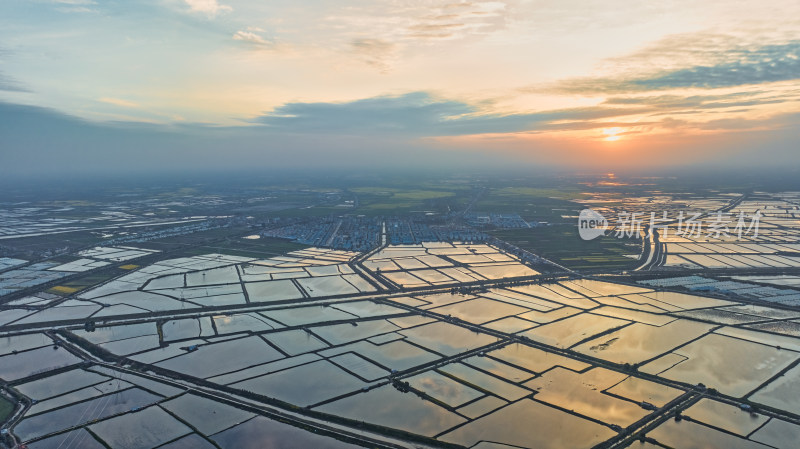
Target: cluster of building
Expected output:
[403,231]
[38,221]
[348,233]
[501,221]
[147,235]
[358,233]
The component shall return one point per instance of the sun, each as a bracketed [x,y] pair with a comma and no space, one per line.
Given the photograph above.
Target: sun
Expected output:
[612,134]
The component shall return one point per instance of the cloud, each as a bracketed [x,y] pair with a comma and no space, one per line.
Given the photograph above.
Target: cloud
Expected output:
[75,147]
[209,7]
[762,65]
[414,130]
[419,114]
[736,67]
[77,6]
[456,20]
[9,84]
[705,102]
[415,112]
[250,37]
[783,121]
[480,17]
[376,32]
[679,51]
[374,52]
[118,102]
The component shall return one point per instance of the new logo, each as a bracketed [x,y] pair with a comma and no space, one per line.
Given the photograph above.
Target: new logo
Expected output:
[591,224]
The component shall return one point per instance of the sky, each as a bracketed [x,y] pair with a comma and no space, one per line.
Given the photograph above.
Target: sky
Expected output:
[119,85]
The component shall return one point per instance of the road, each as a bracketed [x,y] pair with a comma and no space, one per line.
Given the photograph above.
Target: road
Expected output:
[655,252]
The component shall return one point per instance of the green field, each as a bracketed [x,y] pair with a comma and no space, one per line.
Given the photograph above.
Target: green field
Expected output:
[531,204]
[237,246]
[561,244]
[85,281]
[533,192]
[398,201]
[196,238]
[314,211]
[33,247]
[6,408]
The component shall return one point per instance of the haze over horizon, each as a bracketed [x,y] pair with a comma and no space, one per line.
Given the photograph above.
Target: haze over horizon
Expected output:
[112,87]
